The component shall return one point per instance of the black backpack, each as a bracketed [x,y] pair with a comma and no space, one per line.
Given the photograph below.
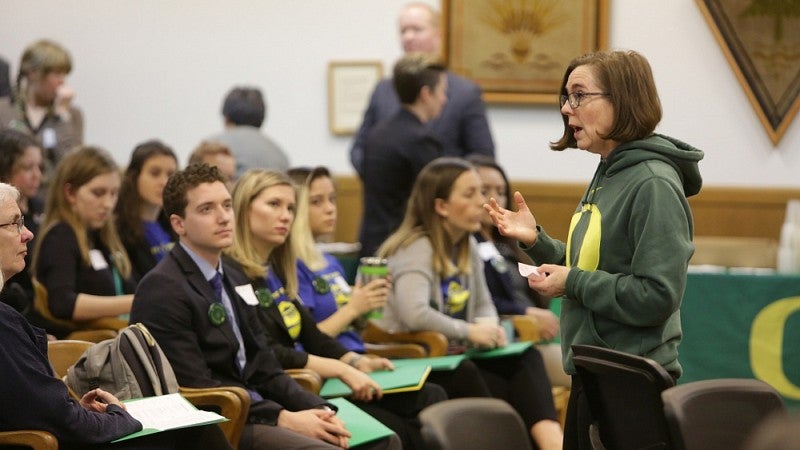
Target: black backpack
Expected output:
[131,365]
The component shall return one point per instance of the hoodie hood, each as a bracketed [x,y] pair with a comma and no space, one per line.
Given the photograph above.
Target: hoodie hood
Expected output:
[682,156]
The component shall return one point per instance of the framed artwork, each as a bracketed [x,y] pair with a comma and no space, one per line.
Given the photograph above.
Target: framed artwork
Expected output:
[761,40]
[517,50]
[350,84]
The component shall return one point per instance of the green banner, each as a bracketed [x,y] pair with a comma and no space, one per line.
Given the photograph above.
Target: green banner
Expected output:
[743,326]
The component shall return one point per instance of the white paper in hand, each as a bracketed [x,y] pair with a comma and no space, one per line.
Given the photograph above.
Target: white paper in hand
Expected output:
[527,269]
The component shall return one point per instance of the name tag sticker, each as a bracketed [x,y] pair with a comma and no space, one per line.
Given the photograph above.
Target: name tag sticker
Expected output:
[98,260]
[247,293]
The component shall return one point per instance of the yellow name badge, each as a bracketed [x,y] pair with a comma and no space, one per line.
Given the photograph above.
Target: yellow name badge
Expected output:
[291,318]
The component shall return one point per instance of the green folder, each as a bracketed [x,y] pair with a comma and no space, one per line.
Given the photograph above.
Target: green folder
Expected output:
[362,427]
[437,363]
[402,379]
[514,348]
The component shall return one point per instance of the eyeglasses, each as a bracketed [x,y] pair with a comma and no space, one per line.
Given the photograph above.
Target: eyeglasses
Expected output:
[20,223]
[576,97]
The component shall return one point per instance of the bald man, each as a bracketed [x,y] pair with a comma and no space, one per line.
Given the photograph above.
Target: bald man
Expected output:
[461,128]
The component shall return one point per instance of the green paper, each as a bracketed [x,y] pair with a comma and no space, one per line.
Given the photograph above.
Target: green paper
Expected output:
[514,348]
[363,427]
[402,379]
[437,363]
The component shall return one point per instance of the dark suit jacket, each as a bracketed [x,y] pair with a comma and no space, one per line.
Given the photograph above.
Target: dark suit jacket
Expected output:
[396,151]
[313,340]
[33,398]
[462,127]
[172,300]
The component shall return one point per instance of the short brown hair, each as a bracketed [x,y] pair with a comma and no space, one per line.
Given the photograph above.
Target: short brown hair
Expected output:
[182,181]
[627,78]
[43,56]
[208,148]
[414,71]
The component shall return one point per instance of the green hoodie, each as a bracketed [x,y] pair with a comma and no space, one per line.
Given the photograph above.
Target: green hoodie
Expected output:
[628,248]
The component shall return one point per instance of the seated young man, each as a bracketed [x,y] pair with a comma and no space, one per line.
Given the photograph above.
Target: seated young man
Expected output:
[212,337]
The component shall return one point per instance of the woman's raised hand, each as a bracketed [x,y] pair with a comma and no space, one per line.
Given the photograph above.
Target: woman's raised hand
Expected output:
[519,225]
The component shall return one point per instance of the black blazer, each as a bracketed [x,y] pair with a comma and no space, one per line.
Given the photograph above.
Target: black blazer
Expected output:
[313,340]
[172,300]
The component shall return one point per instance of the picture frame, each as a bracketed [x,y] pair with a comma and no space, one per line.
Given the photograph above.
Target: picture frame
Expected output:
[350,84]
[517,50]
[760,42]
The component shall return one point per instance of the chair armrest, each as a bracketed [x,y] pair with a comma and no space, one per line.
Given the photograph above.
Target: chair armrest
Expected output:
[35,439]
[407,350]
[527,328]
[92,335]
[307,378]
[434,342]
[232,402]
[106,324]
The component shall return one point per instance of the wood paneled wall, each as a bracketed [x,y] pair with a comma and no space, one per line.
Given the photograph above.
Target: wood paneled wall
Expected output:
[718,211]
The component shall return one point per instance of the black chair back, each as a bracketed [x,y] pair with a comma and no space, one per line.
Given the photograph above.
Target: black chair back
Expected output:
[718,414]
[473,424]
[624,395]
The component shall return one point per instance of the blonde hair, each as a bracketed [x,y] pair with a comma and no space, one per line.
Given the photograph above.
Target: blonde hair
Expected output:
[282,258]
[421,220]
[78,167]
[303,238]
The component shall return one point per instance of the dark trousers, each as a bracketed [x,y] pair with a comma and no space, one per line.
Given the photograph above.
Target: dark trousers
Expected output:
[205,437]
[521,380]
[579,418]
[399,412]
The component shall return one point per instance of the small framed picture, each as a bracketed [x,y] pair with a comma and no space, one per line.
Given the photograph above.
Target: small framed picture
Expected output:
[350,84]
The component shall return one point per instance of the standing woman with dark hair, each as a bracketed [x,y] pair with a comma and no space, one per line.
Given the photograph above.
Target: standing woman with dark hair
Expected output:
[78,256]
[42,105]
[143,227]
[622,271]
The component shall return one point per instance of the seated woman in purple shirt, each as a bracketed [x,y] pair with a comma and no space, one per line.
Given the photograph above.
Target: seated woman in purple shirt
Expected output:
[338,308]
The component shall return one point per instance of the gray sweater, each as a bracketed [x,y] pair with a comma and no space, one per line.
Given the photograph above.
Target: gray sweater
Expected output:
[416,303]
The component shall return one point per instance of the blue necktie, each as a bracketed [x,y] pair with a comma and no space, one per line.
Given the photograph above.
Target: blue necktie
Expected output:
[216,284]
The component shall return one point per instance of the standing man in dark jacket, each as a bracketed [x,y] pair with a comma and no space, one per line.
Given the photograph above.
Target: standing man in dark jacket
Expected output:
[462,128]
[399,147]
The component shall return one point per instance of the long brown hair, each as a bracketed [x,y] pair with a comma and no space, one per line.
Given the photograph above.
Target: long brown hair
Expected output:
[78,167]
[435,181]
[129,205]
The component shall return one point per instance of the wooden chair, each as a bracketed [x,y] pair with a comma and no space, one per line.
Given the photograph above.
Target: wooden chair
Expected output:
[232,402]
[92,330]
[307,378]
[434,343]
[35,439]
